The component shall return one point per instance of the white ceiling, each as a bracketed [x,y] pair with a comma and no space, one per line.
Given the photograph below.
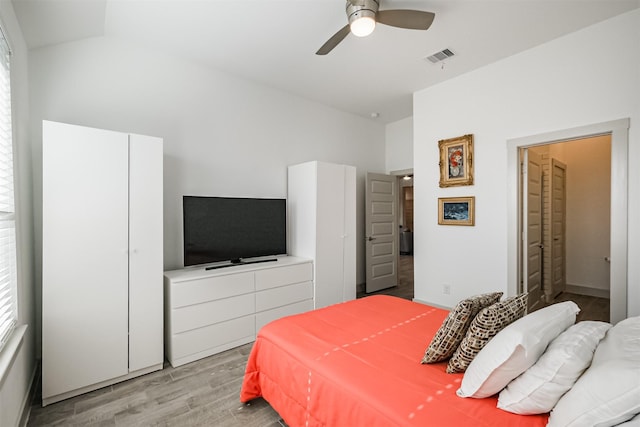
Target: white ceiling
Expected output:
[274,41]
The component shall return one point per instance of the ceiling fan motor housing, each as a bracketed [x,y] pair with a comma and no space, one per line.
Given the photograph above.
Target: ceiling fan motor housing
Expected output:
[357,9]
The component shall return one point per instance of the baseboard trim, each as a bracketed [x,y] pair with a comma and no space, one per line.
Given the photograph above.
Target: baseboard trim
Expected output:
[431,304]
[585,290]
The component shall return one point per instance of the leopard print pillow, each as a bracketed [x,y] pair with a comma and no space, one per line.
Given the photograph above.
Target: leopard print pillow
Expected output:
[484,326]
[455,326]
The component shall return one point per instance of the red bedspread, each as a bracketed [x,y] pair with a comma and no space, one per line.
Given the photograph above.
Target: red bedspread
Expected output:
[358,364]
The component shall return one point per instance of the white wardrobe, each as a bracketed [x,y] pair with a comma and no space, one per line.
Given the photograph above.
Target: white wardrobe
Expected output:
[102,249]
[321,212]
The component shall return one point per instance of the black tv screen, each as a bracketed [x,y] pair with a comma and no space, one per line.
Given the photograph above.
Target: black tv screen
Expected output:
[231,228]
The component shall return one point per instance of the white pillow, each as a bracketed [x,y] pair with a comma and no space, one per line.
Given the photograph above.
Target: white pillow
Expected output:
[633,422]
[514,349]
[540,387]
[608,393]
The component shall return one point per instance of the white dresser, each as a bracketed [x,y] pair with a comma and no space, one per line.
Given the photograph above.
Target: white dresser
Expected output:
[209,311]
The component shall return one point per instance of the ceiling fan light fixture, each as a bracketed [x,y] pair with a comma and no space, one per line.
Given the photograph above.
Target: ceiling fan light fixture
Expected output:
[362,26]
[362,16]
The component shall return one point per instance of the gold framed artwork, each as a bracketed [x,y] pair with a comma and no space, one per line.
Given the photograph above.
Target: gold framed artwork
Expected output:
[456,161]
[456,210]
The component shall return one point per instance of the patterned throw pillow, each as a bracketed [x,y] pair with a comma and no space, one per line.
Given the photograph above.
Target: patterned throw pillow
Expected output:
[455,326]
[486,325]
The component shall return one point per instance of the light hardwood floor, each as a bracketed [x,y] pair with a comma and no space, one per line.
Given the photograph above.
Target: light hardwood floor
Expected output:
[202,393]
[205,392]
[591,308]
[404,289]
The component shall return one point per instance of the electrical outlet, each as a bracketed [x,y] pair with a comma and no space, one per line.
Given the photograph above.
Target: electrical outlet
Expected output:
[446,289]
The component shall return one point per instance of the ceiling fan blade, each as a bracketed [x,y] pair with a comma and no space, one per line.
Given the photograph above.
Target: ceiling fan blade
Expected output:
[405,18]
[333,41]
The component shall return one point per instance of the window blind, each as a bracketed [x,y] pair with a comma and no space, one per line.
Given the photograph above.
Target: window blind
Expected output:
[8,282]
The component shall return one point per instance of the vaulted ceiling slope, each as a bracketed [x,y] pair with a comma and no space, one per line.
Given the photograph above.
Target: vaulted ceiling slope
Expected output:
[273,42]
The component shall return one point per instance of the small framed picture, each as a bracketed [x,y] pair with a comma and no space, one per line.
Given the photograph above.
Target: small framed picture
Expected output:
[456,210]
[456,161]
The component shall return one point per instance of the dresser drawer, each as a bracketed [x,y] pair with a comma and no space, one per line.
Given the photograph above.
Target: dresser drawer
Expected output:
[280,276]
[199,315]
[210,288]
[283,295]
[265,317]
[212,336]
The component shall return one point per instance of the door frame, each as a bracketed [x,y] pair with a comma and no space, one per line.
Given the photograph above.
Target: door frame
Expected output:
[619,131]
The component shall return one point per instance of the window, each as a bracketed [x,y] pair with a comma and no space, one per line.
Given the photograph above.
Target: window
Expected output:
[8,282]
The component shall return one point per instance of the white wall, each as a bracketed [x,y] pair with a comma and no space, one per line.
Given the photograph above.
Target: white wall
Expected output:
[399,145]
[14,386]
[559,85]
[222,135]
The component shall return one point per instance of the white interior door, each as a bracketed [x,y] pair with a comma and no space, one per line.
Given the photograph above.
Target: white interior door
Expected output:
[381,200]
[145,252]
[84,257]
[558,237]
[532,267]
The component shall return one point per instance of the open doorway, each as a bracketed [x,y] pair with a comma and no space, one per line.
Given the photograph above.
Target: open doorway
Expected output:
[405,214]
[618,131]
[566,193]
[405,221]
[389,234]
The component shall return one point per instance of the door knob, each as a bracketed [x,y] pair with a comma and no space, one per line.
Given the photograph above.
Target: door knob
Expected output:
[369,238]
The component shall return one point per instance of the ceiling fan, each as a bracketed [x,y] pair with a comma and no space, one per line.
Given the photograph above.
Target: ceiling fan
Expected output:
[363,15]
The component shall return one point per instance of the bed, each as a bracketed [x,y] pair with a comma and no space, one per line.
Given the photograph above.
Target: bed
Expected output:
[358,364]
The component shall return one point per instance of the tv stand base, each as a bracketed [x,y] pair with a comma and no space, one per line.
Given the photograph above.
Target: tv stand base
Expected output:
[238,262]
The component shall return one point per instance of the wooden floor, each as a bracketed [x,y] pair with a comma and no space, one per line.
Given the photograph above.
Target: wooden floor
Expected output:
[202,393]
[405,281]
[205,392]
[591,308]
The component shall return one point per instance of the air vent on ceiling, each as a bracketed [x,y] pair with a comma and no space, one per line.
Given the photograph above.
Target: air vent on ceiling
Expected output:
[440,56]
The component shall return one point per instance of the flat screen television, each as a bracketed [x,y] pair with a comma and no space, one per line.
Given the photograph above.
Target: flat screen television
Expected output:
[233,229]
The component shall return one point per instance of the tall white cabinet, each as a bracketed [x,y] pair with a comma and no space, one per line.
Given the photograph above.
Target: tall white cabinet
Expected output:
[321,204]
[102,249]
